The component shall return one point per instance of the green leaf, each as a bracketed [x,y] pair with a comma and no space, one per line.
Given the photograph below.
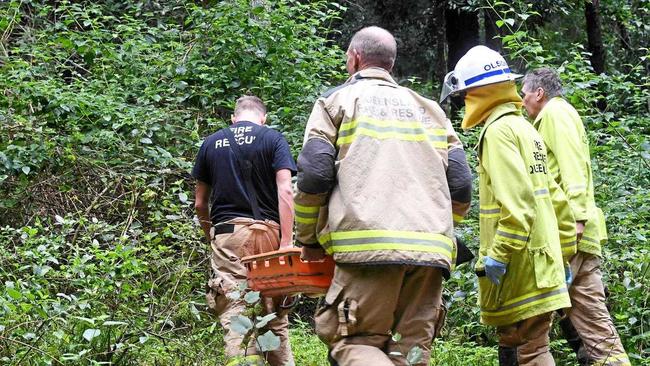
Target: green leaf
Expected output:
[183,197]
[252,297]
[195,312]
[41,270]
[26,169]
[263,321]
[114,322]
[89,334]
[414,356]
[16,295]
[268,342]
[146,141]
[240,324]
[499,23]
[233,295]
[510,21]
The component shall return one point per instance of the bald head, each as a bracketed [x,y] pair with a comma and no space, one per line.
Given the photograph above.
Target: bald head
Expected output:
[373,46]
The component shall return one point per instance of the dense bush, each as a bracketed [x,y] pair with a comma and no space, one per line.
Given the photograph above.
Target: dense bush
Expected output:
[104,106]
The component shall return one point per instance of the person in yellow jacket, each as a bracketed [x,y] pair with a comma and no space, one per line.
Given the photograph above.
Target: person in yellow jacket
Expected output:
[587,325]
[380,177]
[521,264]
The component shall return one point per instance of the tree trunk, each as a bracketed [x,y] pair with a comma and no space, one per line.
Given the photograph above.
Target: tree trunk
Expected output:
[594,36]
[441,41]
[462,34]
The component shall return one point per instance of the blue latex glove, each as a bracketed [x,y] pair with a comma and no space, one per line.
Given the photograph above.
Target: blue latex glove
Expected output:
[568,275]
[494,270]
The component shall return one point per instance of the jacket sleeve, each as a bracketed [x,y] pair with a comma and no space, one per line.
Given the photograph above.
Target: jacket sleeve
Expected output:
[562,138]
[565,221]
[316,173]
[512,189]
[459,176]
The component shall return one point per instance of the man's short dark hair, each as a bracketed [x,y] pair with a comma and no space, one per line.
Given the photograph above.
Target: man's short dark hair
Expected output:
[546,79]
[250,103]
[376,46]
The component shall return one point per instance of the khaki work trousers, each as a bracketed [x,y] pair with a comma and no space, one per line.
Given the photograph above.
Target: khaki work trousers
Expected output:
[367,305]
[589,316]
[249,237]
[525,343]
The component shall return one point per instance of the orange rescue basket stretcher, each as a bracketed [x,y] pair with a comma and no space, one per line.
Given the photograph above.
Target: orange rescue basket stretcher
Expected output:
[282,272]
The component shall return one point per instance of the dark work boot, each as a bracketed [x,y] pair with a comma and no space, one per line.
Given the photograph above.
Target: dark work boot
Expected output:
[573,339]
[508,356]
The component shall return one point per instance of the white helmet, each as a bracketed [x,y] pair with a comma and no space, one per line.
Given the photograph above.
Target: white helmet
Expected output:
[479,66]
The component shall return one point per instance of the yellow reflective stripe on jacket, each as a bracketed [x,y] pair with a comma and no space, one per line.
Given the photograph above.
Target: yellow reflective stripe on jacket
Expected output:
[489,211]
[306,214]
[391,129]
[510,235]
[568,242]
[568,246]
[526,301]
[368,240]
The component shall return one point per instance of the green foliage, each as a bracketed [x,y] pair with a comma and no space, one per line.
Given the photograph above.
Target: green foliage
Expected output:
[250,324]
[104,106]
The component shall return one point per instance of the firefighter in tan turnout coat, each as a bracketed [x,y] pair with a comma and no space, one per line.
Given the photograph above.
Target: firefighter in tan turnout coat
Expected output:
[379,169]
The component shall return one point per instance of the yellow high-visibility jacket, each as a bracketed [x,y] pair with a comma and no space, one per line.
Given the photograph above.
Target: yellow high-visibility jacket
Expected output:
[518,222]
[570,166]
[389,201]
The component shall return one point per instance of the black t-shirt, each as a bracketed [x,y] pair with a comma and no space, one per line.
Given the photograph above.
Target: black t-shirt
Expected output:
[217,166]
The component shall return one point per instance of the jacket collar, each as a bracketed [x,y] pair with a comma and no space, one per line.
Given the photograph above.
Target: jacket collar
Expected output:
[546,108]
[372,73]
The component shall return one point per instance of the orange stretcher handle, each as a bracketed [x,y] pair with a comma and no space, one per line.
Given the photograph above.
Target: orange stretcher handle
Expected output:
[293,251]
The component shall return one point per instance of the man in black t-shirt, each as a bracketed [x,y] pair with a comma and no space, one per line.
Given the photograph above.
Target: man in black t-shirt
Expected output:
[244,202]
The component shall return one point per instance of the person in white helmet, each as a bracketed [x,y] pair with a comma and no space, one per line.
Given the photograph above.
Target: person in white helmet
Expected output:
[520,264]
